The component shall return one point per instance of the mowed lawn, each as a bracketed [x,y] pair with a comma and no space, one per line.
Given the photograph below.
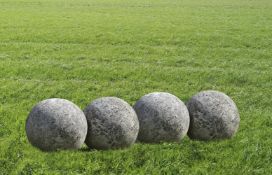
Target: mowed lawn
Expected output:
[81,50]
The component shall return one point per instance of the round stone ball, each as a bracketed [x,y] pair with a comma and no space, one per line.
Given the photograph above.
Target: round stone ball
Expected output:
[163,118]
[112,122]
[56,124]
[213,116]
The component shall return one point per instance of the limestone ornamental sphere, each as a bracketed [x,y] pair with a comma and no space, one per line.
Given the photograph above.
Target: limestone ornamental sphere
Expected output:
[213,115]
[112,122]
[163,118]
[55,124]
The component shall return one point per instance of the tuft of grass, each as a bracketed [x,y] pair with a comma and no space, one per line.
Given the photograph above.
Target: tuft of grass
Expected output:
[84,49]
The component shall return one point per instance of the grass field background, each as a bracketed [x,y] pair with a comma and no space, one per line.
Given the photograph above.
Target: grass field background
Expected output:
[84,49]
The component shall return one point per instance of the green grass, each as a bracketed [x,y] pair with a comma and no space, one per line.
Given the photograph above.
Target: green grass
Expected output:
[84,49]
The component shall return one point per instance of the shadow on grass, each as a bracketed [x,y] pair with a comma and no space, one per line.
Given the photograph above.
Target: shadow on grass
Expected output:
[86,149]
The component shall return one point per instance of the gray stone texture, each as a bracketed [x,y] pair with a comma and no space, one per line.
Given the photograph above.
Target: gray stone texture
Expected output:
[213,116]
[55,124]
[163,118]
[112,124]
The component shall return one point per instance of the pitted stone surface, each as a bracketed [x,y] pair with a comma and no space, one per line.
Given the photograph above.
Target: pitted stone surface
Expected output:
[56,124]
[112,124]
[213,116]
[163,118]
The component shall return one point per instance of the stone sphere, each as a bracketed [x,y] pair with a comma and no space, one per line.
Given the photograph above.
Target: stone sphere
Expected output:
[213,116]
[112,124]
[163,118]
[55,124]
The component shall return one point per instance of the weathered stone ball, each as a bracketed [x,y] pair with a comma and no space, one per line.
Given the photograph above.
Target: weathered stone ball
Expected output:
[163,118]
[213,116]
[55,124]
[112,124]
